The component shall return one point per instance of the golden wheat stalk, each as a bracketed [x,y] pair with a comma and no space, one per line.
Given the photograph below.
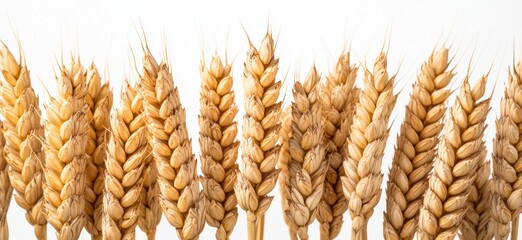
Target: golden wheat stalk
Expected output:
[127,152]
[23,132]
[338,97]
[5,189]
[172,150]
[260,150]
[459,153]
[65,159]
[366,144]
[507,175]
[415,149]
[219,146]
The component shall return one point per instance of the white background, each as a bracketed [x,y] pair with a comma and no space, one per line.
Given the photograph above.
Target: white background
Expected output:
[104,32]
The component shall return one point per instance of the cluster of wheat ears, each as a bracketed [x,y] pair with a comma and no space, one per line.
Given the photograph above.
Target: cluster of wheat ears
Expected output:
[109,169]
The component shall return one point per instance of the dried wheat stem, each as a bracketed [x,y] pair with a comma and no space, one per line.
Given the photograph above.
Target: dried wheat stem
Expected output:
[507,157]
[415,150]
[219,146]
[261,124]
[23,132]
[459,153]
[5,189]
[338,97]
[127,151]
[284,177]
[366,144]
[65,159]
[172,150]
[307,167]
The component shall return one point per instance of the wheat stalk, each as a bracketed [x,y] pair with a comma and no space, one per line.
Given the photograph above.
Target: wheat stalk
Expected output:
[507,151]
[338,98]
[459,153]
[219,147]
[366,143]
[307,167]
[172,150]
[260,150]
[65,158]
[5,189]
[284,177]
[23,132]
[127,152]
[415,150]
[477,223]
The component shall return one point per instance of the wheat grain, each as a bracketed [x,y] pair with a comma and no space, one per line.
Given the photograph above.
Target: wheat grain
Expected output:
[5,189]
[415,150]
[260,150]
[307,167]
[23,132]
[65,158]
[127,151]
[459,153]
[507,152]
[219,147]
[338,98]
[172,150]
[369,131]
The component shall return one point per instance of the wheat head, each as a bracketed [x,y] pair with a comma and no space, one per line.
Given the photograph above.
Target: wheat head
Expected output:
[23,132]
[507,152]
[127,151]
[415,150]
[172,150]
[459,153]
[366,144]
[65,159]
[219,146]
[338,97]
[5,189]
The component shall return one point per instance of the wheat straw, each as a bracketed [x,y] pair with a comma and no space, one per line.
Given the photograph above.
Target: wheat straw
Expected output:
[338,98]
[5,189]
[23,132]
[369,132]
[219,147]
[415,147]
[459,153]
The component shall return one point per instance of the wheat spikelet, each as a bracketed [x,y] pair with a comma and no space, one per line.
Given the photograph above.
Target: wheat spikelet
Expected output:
[459,153]
[127,152]
[219,147]
[23,132]
[284,177]
[261,124]
[65,158]
[172,150]
[507,153]
[307,167]
[369,131]
[477,223]
[415,150]
[5,189]
[338,98]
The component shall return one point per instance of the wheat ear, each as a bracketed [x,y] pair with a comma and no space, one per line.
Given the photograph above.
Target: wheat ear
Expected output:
[338,97]
[65,159]
[127,151]
[415,150]
[459,153]
[172,150]
[307,166]
[261,124]
[284,177]
[507,152]
[23,132]
[5,188]
[219,146]
[366,144]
